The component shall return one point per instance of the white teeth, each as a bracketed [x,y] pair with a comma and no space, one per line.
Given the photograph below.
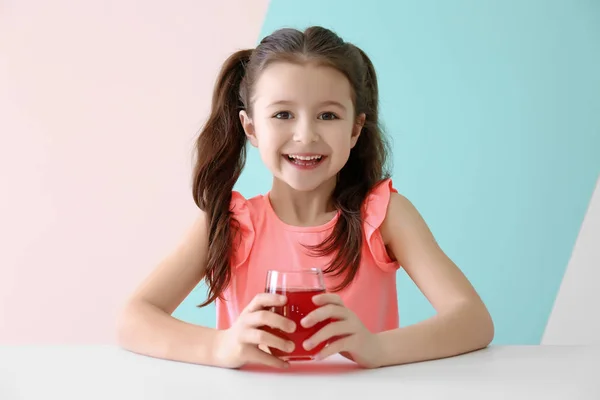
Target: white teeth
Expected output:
[304,158]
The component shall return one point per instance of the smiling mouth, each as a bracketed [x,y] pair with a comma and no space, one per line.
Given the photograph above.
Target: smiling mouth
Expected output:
[305,161]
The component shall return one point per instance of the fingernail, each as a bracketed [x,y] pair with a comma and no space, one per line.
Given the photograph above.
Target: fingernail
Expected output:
[282,298]
[291,327]
[305,322]
[308,345]
[291,346]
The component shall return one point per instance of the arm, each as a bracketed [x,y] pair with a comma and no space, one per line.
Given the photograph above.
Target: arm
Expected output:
[145,324]
[462,322]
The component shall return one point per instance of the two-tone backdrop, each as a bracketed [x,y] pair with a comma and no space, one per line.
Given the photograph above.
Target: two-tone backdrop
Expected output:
[492,107]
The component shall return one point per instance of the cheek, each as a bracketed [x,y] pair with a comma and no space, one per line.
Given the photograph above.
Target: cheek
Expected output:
[269,144]
[340,140]
[271,136]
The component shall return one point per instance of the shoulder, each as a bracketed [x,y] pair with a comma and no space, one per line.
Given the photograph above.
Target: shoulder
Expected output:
[401,214]
[247,214]
[242,206]
[396,218]
[406,235]
[376,203]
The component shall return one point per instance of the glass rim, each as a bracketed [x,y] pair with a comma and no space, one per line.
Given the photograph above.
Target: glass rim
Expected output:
[315,271]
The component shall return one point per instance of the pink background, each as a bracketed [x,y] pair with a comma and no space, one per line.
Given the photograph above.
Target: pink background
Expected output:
[103,102]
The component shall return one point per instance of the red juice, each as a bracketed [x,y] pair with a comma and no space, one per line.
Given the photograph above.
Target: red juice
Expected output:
[299,304]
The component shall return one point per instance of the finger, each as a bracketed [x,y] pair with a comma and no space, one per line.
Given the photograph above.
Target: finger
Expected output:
[330,331]
[333,311]
[257,356]
[261,337]
[327,298]
[271,319]
[336,347]
[264,300]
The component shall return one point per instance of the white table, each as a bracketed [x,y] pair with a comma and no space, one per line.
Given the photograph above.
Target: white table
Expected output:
[108,372]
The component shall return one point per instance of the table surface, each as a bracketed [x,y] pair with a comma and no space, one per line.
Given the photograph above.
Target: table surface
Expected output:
[109,372]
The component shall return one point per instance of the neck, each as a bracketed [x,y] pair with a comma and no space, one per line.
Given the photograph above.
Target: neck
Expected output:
[303,208]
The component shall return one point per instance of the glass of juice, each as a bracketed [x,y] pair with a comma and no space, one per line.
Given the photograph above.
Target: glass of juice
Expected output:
[299,287]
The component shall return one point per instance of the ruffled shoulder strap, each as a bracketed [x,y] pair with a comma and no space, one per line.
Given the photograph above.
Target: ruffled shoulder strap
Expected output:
[243,229]
[374,213]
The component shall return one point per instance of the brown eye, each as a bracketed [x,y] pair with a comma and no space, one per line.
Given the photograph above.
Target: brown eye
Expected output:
[282,115]
[328,116]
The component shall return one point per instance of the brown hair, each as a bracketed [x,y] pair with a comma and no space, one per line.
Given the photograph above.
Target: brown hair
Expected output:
[221,151]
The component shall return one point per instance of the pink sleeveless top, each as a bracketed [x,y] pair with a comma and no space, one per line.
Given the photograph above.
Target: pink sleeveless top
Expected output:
[269,243]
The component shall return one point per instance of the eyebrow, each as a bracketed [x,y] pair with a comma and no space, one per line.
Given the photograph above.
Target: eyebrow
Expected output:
[324,103]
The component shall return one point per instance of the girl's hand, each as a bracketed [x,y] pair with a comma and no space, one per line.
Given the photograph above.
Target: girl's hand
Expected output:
[350,337]
[238,345]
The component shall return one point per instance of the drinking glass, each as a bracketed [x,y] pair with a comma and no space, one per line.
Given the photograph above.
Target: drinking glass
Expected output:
[299,287]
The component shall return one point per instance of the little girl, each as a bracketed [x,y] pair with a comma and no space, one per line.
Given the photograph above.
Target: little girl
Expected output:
[309,102]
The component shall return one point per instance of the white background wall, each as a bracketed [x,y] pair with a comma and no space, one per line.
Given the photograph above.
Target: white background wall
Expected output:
[575,318]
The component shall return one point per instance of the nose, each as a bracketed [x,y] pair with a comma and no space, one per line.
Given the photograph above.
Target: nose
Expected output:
[305,132]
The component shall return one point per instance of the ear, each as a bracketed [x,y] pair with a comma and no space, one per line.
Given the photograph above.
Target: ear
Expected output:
[357,128]
[248,128]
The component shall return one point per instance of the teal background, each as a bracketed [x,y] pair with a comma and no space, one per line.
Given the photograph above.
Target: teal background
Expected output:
[493,108]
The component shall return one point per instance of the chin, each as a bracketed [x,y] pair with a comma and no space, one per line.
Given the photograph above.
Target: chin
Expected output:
[306,184]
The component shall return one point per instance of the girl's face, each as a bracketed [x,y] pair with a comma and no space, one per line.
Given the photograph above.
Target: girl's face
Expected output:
[303,123]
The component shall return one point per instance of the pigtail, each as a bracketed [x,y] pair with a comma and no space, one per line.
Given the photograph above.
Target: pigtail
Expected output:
[221,155]
[373,143]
